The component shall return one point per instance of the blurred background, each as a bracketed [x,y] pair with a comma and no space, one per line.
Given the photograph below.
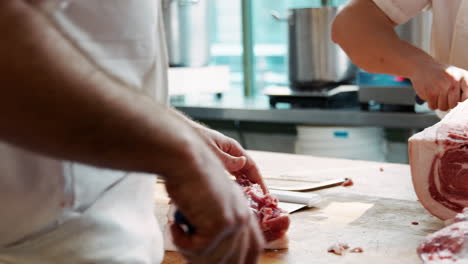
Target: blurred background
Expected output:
[267,74]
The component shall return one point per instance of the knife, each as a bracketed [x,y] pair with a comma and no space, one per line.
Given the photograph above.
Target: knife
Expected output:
[304,186]
[439,113]
[419,100]
[306,199]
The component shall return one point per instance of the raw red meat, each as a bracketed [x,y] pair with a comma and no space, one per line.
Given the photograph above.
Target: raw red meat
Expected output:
[348,182]
[439,164]
[273,221]
[447,245]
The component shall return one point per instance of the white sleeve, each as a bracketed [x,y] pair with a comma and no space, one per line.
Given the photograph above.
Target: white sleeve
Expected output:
[400,11]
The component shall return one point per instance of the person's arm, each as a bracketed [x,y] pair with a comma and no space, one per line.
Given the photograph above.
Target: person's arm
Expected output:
[55,102]
[367,35]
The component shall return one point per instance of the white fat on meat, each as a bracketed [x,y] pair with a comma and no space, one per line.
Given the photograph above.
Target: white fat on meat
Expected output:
[439,164]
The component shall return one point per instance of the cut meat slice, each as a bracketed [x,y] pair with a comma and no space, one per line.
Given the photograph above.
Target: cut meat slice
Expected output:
[447,245]
[273,221]
[439,164]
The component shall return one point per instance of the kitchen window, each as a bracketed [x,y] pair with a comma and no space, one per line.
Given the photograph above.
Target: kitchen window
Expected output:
[270,39]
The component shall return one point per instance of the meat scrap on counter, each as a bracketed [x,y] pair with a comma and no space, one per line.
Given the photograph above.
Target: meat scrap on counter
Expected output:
[341,249]
[356,250]
[338,248]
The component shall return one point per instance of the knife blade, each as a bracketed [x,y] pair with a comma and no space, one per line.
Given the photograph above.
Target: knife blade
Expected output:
[309,186]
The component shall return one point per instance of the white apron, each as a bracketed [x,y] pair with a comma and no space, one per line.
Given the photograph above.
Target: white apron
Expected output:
[459,49]
[56,212]
[458,54]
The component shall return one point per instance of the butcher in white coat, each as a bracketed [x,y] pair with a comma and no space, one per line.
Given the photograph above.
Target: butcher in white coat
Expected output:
[364,29]
[83,104]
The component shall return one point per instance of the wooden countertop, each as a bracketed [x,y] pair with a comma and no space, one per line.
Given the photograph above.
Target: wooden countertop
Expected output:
[376,213]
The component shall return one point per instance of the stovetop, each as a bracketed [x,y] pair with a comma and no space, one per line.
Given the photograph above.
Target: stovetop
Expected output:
[339,96]
[368,91]
[327,92]
[385,89]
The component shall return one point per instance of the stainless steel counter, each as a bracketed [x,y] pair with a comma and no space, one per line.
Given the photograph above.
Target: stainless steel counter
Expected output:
[235,107]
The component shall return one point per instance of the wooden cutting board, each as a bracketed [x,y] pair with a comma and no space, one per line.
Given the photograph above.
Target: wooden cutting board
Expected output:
[376,213]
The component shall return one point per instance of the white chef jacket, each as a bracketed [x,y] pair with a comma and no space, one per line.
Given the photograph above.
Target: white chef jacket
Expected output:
[449,29]
[54,211]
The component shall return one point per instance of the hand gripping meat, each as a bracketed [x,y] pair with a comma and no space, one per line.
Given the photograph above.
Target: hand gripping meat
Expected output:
[273,221]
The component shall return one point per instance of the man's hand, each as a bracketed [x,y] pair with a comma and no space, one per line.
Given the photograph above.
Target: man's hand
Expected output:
[378,49]
[233,155]
[442,86]
[236,238]
[226,230]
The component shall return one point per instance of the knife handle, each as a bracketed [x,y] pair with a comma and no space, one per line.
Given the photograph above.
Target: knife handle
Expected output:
[418,100]
[183,222]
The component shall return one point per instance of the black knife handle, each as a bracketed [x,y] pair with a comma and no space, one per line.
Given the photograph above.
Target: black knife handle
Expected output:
[183,222]
[418,100]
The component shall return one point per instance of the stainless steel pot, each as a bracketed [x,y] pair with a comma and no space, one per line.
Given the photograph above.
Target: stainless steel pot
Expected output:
[187,32]
[314,59]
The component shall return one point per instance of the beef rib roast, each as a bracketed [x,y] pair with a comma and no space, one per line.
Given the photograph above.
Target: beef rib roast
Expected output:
[439,164]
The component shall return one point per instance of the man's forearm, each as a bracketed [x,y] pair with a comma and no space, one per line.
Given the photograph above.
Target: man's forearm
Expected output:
[368,37]
[54,101]
[184,118]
